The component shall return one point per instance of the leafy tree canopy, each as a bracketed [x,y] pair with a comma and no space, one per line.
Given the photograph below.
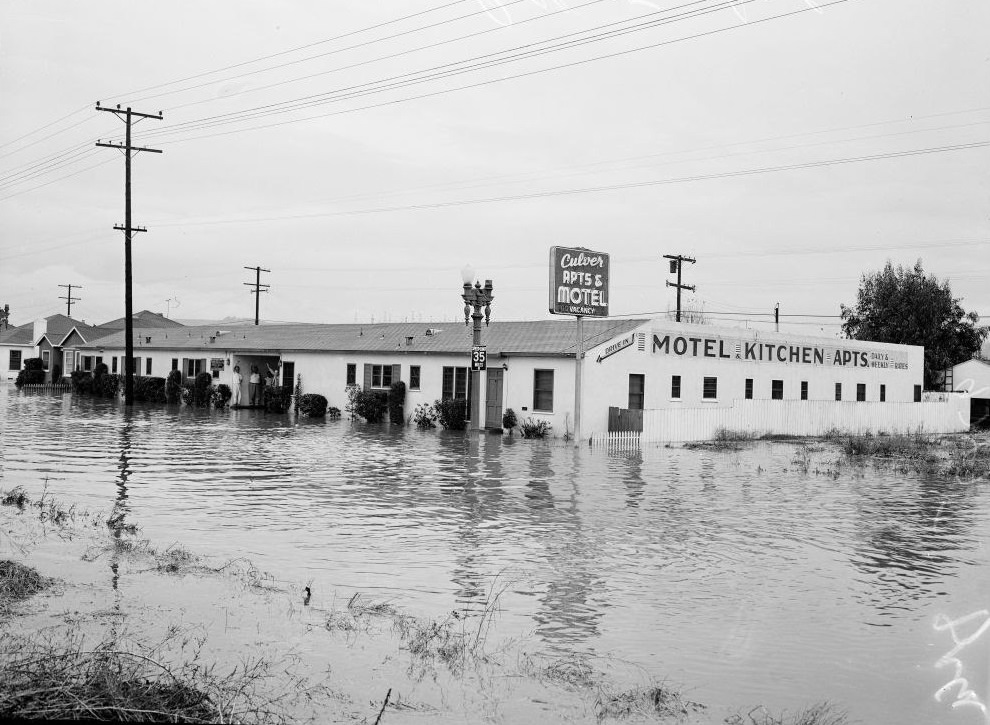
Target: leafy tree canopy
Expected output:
[908,307]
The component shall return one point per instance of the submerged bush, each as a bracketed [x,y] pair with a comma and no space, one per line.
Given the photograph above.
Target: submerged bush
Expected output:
[396,400]
[173,387]
[221,396]
[509,420]
[148,389]
[277,398]
[451,413]
[82,381]
[33,372]
[424,416]
[370,404]
[535,428]
[313,405]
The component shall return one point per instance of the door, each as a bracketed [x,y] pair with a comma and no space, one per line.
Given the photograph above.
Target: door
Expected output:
[493,399]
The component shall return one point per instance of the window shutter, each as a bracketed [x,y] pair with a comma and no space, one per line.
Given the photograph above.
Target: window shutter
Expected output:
[396,370]
[185,367]
[367,376]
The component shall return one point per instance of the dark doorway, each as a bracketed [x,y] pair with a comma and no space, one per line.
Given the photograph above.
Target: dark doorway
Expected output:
[493,399]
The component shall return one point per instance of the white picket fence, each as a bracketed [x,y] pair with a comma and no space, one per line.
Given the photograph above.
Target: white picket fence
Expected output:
[950,414]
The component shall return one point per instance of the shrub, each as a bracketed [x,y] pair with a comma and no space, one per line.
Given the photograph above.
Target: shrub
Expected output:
[396,400]
[535,428]
[298,392]
[333,412]
[106,386]
[33,372]
[173,387]
[424,416]
[312,404]
[509,420]
[221,396]
[149,389]
[371,405]
[451,413]
[199,393]
[82,381]
[277,398]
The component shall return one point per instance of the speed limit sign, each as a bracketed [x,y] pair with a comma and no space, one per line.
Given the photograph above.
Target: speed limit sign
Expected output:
[479,357]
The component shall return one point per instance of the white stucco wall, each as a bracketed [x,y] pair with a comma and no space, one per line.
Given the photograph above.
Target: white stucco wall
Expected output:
[660,349]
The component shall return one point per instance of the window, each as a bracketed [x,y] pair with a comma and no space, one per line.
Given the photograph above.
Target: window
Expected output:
[860,392]
[46,358]
[352,373]
[637,385]
[99,360]
[675,386]
[68,357]
[190,368]
[381,376]
[15,360]
[113,364]
[804,390]
[776,390]
[455,384]
[543,390]
[288,373]
[175,363]
[414,377]
[883,393]
[709,388]
[87,362]
[147,366]
[917,393]
[749,388]
[136,365]
[838,391]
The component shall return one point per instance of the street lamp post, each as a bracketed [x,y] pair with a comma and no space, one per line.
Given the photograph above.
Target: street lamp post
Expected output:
[475,298]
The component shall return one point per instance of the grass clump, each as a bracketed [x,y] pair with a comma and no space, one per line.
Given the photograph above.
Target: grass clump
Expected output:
[18,582]
[917,445]
[654,700]
[16,496]
[62,680]
[822,713]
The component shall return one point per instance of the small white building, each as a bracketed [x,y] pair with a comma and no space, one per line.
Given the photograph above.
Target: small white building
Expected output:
[972,378]
[656,378]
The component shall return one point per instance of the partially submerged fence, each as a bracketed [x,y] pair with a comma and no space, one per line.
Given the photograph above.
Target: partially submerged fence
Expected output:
[949,413]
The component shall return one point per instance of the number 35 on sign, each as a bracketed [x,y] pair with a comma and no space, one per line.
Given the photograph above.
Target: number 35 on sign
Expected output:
[479,357]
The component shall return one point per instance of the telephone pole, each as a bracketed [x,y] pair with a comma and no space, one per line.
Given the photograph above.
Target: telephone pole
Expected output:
[257,289]
[127,116]
[70,299]
[676,263]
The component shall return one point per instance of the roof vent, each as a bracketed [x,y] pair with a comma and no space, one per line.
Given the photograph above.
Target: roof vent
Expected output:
[409,339]
[433,331]
[147,341]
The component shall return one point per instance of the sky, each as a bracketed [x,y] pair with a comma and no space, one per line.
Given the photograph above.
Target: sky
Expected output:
[364,152]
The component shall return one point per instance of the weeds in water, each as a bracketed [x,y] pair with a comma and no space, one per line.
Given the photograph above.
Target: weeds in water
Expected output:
[19,582]
[822,713]
[573,671]
[58,678]
[16,496]
[653,700]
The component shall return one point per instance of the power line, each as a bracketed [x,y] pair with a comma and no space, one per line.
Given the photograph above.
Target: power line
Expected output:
[613,187]
[286,52]
[439,72]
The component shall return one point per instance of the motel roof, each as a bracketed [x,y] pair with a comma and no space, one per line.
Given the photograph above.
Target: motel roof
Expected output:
[541,337]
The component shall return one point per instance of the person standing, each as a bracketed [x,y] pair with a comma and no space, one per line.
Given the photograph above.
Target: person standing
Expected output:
[235,383]
[254,385]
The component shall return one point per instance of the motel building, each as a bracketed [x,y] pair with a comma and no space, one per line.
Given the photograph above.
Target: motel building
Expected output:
[649,379]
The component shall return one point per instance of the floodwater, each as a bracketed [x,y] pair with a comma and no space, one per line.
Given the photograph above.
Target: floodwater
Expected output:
[772,575]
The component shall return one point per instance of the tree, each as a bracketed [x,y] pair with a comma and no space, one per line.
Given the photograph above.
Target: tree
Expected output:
[908,307]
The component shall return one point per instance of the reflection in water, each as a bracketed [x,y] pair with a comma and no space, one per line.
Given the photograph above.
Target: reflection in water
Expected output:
[715,568]
[909,537]
[118,516]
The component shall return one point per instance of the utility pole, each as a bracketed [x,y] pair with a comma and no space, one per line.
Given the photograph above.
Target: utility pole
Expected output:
[776,318]
[127,116]
[70,299]
[257,289]
[676,263]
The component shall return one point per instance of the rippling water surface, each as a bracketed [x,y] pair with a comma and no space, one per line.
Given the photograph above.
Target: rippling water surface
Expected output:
[768,575]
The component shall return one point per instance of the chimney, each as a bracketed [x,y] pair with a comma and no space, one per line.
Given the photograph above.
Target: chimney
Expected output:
[40,328]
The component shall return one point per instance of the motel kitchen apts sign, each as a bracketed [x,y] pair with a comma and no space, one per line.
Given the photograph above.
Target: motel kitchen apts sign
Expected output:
[777,352]
[578,282]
